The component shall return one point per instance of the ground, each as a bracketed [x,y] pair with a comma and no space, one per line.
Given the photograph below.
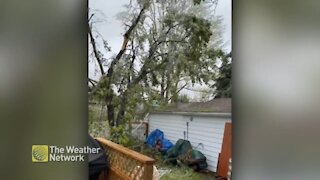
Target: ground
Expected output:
[173,172]
[184,173]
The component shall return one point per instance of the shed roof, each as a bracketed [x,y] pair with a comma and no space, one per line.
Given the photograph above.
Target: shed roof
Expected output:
[220,105]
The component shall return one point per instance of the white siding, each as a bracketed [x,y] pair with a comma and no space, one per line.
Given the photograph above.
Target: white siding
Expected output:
[205,132]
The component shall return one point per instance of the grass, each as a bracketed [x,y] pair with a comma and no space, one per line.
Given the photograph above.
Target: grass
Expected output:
[184,173]
[181,173]
[174,172]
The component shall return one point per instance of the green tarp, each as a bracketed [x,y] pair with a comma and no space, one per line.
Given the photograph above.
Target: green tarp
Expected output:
[183,152]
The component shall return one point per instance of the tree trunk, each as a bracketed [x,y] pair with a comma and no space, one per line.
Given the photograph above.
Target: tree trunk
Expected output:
[174,93]
[168,87]
[111,115]
[122,109]
[109,96]
[163,86]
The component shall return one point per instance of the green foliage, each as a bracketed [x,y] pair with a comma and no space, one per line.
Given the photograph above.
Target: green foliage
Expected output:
[197,1]
[184,98]
[223,80]
[99,129]
[121,135]
[156,155]
[97,123]
[94,113]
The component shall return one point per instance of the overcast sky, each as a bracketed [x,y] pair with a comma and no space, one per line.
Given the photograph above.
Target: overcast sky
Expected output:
[111,29]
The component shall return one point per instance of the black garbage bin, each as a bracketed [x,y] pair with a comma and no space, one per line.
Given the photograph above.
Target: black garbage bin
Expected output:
[97,162]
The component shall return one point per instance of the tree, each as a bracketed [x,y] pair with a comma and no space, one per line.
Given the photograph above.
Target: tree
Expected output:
[223,80]
[184,98]
[166,45]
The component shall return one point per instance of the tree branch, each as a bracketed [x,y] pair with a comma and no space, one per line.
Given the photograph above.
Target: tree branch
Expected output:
[91,82]
[124,44]
[95,50]
[178,91]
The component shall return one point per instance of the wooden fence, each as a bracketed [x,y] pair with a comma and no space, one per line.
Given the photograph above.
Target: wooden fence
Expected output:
[125,164]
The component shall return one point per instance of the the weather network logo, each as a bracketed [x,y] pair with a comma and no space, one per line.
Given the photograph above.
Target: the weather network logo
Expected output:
[40,153]
[47,153]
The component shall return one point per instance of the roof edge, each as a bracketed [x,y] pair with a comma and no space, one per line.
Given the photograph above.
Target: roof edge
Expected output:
[195,113]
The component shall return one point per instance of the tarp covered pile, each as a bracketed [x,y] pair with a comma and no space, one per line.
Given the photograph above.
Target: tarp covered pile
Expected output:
[157,140]
[181,151]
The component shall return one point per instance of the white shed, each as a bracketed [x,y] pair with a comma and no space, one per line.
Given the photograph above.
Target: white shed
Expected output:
[201,123]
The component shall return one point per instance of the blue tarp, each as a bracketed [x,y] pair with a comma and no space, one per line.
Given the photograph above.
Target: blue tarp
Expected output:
[156,135]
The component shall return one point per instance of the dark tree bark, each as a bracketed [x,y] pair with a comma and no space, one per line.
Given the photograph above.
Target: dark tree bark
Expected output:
[110,94]
[95,51]
[163,86]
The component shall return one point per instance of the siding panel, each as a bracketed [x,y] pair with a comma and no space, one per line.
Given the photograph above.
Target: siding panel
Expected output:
[204,133]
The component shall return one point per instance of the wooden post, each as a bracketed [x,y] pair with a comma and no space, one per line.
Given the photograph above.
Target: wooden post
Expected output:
[148,174]
[225,155]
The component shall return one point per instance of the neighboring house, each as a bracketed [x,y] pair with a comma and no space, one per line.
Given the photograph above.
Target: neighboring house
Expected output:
[202,123]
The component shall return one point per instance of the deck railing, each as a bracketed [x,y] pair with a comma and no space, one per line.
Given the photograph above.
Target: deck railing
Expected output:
[125,164]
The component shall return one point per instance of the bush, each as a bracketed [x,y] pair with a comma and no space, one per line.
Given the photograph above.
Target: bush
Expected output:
[97,127]
[121,135]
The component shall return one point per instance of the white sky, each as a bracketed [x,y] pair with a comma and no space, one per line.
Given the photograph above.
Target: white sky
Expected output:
[112,30]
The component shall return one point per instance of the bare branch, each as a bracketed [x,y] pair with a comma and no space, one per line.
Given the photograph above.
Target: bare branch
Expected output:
[95,50]
[91,17]
[92,82]
[178,91]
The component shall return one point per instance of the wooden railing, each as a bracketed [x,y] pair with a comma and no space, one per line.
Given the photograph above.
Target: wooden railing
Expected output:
[125,164]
